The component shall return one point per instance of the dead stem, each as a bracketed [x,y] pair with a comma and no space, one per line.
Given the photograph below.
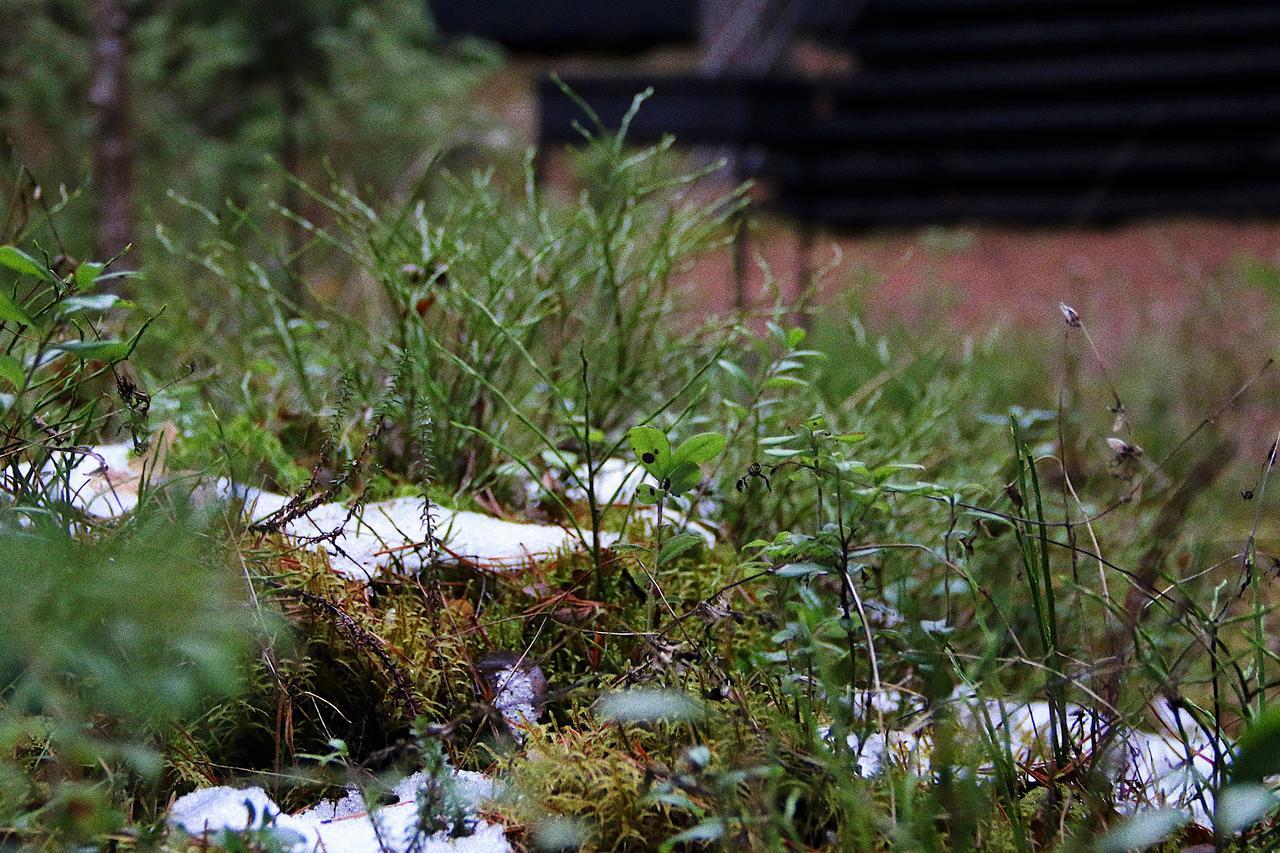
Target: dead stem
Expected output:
[1164,534]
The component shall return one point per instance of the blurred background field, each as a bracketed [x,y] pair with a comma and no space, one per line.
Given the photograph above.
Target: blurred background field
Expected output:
[209,97]
[194,106]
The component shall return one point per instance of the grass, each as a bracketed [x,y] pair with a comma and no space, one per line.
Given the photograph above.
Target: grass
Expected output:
[908,525]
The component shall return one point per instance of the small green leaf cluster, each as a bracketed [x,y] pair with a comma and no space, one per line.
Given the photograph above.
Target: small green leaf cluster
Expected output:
[47,315]
[57,356]
[674,472]
[814,453]
[714,797]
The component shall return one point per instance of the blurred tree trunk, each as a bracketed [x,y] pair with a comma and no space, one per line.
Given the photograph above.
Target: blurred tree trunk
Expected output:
[113,147]
[291,160]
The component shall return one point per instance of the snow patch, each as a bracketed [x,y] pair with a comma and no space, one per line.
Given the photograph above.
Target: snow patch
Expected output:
[515,696]
[615,483]
[394,532]
[210,812]
[104,482]
[1150,769]
[518,687]
[343,825]
[101,480]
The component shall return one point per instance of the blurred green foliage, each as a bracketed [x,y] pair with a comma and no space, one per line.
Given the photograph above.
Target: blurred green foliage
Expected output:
[218,87]
[113,632]
[465,321]
[141,625]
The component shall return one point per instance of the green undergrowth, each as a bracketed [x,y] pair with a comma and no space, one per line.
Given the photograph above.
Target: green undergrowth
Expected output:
[896,515]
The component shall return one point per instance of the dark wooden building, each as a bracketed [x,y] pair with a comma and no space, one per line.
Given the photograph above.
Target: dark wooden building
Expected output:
[1012,111]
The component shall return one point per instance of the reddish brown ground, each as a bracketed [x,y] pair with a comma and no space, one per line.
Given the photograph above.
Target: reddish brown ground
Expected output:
[1126,278]
[1137,277]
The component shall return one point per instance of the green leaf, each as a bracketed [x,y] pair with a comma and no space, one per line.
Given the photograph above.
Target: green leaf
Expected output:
[700,448]
[1241,806]
[884,472]
[647,494]
[683,477]
[734,370]
[87,275]
[646,705]
[23,264]
[1143,830]
[853,468]
[11,312]
[107,350]
[850,437]
[710,829]
[800,570]
[785,382]
[97,302]
[916,488]
[652,448]
[677,545]
[11,369]
[1258,750]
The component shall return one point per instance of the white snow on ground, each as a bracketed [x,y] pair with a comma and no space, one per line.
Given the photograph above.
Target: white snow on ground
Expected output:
[212,811]
[256,502]
[515,696]
[338,827]
[105,482]
[1161,769]
[616,482]
[1150,769]
[908,750]
[356,834]
[517,690]
[868,702]
[394,531]
[328,810]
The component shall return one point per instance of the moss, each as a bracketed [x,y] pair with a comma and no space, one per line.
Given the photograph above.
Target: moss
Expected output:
[358,662]
[591,775]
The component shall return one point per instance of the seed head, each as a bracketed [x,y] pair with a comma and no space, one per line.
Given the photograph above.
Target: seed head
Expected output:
[1123,449]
